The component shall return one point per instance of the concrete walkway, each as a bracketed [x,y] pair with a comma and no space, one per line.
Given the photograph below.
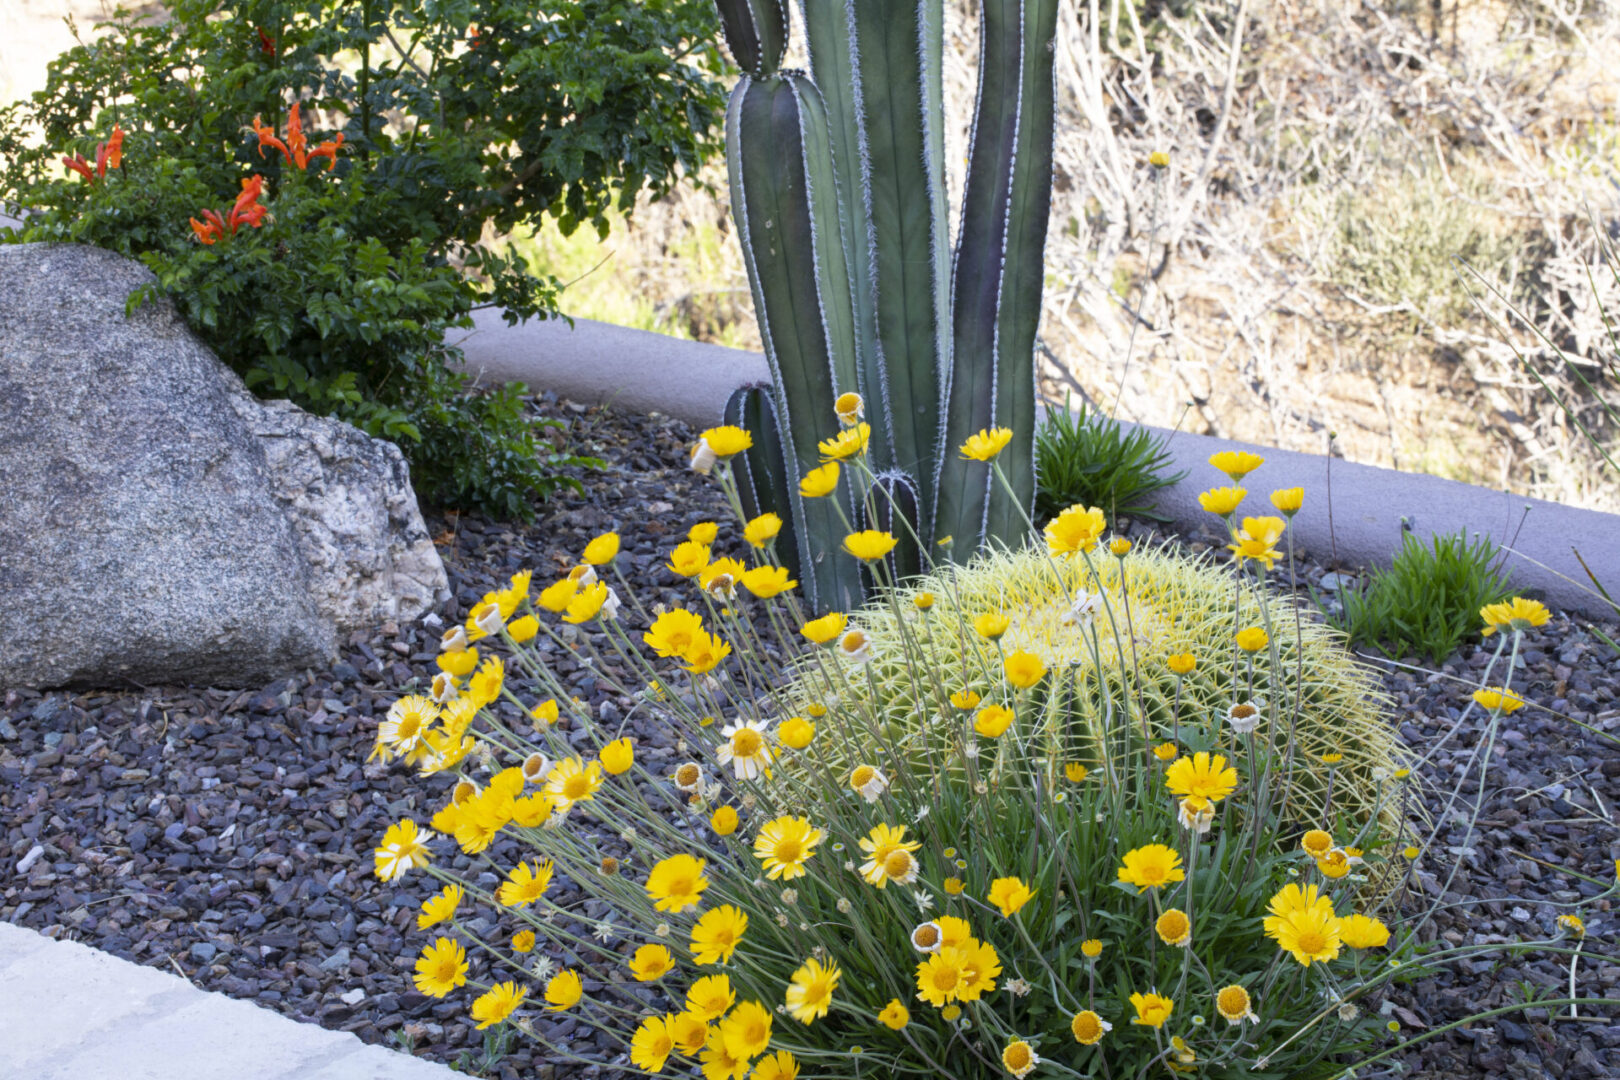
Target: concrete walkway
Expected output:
[70,1012]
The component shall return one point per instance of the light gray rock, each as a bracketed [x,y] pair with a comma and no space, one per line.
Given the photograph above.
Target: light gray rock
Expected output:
[157,523]
[350,501]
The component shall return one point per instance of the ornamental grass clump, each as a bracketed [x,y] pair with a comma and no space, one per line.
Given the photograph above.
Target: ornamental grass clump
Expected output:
[1082,808]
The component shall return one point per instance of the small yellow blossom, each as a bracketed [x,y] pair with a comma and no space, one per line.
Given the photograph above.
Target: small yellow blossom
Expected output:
[1019,1058]
[617,756]
[1252,639]
[762,530]
[821,631]
[563,991]
[1152,1010]
[796,732]
[991,625]
[966,700]
[677,883]
[688,559]
[1516,614]
[1151,866]
[1088,1028]
[809,995]
[1075,530]
[1173,927]
[724,821]
[1222,501]
[1288,501]
[1236,463]
[602,549]
[1009,894]
[651,963]
[497,1003]
[869,544]
[986,444]
[1024,669]
[992,720]
[1495,698]
[847,443]
[727,441]
[1235,1005]
[820,481]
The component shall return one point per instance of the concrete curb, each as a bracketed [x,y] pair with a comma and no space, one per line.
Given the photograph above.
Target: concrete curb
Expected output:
[73,1013]
[633,369]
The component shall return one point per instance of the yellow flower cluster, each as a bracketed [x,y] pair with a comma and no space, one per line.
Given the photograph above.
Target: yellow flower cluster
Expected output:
[944,802]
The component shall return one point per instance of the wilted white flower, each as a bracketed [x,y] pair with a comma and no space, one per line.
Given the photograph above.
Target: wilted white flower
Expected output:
[1196,813]
[855,646]
[444,688]
[1082,611]
[1243,717]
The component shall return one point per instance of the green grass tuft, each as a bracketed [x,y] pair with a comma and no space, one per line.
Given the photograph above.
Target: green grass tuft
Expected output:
[1084,456]
[1428,602]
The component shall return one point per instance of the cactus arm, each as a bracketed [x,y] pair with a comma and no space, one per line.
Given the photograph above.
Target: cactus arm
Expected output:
[999,270]
[883,57]
[893,497]
[756,33]
[781,189]
[761,471]
[830,38]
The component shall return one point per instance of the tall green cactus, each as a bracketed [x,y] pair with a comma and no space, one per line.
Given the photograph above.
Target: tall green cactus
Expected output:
[838,191]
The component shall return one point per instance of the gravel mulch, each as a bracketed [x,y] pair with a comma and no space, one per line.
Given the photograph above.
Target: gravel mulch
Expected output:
[227,834]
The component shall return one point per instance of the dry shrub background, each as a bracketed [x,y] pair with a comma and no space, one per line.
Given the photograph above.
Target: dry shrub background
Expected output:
[1298,268]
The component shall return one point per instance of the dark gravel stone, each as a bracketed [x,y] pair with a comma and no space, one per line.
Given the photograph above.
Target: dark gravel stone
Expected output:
[231,831]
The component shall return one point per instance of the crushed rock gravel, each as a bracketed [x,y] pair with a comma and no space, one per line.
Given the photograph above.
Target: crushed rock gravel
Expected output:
[227,833]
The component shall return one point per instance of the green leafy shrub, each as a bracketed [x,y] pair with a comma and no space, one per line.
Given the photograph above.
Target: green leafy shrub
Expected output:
[1427,603]
[428,129]
[1088,458]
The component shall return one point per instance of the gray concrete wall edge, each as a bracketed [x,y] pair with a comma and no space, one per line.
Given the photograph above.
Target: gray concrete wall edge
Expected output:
[1370,506]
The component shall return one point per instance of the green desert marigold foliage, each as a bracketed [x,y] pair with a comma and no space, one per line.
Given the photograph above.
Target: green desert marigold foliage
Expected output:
[1076,810]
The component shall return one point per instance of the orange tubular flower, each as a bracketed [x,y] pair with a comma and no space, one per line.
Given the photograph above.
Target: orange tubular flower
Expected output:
[80,166]
[246,211]
[296,149]
[109,154]
[209,231]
